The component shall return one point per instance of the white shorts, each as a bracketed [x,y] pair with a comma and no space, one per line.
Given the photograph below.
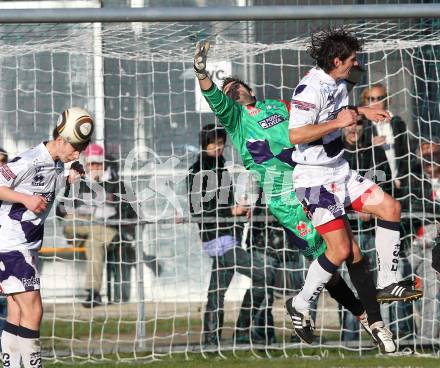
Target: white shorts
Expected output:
[19,271]
[326,192]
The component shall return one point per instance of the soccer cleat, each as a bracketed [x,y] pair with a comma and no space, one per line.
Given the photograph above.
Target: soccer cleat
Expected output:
[302,324]
[398,292]
[363,320]
[384,338]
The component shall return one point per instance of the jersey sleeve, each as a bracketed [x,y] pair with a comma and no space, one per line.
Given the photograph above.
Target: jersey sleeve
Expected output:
[14,172]
[225,108]
[305,106]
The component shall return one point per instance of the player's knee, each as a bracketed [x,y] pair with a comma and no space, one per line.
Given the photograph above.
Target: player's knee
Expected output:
[393,210]
[345,252]
[340,254]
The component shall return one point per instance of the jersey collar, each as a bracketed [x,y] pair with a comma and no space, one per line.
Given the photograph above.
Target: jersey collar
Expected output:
[324,76]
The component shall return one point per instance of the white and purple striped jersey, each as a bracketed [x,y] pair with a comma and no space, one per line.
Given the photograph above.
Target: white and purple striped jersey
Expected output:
[32,172]
[318,98]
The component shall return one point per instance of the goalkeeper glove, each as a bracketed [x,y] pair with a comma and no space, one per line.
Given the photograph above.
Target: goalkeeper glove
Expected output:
[202,48]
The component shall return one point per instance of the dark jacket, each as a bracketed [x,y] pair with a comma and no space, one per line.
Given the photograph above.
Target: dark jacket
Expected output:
[99,201]
[401,149]
[425,196]
[211,197]
[368,160]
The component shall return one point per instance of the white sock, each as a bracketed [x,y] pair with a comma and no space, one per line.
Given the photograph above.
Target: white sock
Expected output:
[387,250]
[320,272]
[30,348]
[10,346]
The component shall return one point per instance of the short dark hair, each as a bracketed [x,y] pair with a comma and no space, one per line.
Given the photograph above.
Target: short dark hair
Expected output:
[55,133]
[328,44]
[228,80]
[3,155]
[210,133]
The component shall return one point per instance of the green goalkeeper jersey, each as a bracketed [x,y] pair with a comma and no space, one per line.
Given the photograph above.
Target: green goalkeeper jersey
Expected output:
[260,134]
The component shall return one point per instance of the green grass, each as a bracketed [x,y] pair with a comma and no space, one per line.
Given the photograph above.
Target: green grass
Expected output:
[110,330]
[246,360]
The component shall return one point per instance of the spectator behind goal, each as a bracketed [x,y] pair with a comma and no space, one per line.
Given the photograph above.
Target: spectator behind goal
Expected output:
[391,136]
[91,204]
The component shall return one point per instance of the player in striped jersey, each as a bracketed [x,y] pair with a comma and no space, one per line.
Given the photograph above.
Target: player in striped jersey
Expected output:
[323,180]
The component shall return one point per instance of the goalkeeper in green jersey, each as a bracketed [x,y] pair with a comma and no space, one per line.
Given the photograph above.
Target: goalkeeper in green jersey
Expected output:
[259,131]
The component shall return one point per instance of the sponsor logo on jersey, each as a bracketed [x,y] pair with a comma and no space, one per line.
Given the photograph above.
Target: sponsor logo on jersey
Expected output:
[50,196]
[302,229]
[38,181]
[302,105]
[333,208]
[252,110]
[327,88]
[330,100]
[32,281]
[7,172]
[271,121]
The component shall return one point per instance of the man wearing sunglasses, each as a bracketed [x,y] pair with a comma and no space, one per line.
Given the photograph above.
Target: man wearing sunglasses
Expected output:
[391,135]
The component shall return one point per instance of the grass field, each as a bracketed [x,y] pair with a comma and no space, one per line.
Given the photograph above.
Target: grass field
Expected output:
[245,360]
[81,336]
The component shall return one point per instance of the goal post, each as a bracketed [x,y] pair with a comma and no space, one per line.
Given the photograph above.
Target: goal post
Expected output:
[132,68]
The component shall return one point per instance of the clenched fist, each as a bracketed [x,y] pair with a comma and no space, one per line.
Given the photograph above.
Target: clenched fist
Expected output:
[36,204]
[346,117]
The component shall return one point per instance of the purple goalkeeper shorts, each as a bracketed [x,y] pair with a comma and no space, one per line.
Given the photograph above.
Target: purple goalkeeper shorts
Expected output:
[19,271]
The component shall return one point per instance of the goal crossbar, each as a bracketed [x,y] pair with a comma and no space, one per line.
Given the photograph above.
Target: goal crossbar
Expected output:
[220,13]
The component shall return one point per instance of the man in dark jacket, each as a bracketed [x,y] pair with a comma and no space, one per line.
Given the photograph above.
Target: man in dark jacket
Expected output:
[211,200]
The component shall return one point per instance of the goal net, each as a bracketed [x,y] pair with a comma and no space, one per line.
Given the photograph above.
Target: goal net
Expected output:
[137,80]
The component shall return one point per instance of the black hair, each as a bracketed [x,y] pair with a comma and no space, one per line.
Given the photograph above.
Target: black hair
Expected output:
[328,44]
[228,80]
[4,154]
[210,133]
[55,133]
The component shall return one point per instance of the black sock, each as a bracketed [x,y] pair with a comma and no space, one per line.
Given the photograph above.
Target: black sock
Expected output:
[362,280]
[339,290]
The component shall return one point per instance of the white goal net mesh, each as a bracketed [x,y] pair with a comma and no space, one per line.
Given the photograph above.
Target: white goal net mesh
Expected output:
[137,80]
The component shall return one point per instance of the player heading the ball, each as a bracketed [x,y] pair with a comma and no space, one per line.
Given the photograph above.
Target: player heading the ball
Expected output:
[27,192]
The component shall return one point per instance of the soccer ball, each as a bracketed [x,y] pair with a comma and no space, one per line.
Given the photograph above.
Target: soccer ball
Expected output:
[75,125]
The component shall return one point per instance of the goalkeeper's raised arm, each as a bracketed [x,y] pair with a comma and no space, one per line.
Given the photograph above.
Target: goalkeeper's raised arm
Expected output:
[223,104]
[200,57]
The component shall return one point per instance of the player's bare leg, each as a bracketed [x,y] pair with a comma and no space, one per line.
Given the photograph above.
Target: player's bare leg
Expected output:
[11,356]
[387,210]
[31,312]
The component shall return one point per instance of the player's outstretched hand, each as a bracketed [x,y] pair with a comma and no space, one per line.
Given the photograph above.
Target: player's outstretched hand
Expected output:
[376,114]
[36,203]
[200,56]
[346,117]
